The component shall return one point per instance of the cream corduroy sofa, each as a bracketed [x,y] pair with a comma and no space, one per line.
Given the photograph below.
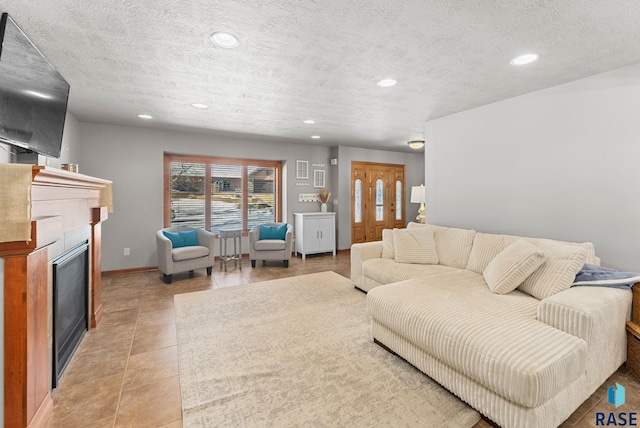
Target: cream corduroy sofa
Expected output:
[524,358]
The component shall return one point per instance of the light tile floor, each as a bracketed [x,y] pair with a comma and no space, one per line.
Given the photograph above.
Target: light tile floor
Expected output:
[125,372]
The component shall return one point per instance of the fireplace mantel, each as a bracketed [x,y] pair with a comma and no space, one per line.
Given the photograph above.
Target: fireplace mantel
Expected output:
[66,208]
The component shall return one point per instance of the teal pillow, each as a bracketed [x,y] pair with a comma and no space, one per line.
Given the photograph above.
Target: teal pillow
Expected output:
[176,239]
[273,232]
[190,238]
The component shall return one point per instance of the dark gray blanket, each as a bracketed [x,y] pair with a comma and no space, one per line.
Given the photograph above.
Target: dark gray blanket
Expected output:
[605,277]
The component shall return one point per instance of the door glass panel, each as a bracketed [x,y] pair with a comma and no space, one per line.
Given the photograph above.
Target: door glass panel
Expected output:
[261,195]
[358,201]
[226,197]
[187,194]
[379,200]
[398,200]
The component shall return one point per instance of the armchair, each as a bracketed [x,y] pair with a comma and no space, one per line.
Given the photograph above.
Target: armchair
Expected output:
[270,249]
[174,257]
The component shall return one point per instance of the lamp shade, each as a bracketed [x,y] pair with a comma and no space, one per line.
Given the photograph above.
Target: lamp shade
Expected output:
[418,194]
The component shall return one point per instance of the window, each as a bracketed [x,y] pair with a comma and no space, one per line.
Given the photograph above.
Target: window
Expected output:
[379,200]
[358,201]
[215,193]
[318,178]
[302,170]
[398,200]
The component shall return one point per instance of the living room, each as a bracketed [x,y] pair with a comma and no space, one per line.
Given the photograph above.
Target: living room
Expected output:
[557,162]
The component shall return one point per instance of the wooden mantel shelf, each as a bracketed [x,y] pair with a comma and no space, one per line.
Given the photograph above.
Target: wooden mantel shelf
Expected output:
[65,207]
[48,176]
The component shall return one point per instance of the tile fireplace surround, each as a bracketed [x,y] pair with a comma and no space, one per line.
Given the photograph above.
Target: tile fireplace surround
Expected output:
[66,208]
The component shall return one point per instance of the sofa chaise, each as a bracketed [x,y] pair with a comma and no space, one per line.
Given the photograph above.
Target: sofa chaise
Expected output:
[493,318]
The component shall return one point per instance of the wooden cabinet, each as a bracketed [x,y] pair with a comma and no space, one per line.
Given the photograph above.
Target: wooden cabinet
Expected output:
[315,233]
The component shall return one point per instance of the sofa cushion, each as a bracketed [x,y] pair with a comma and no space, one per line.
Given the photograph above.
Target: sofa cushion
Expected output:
[190,238]
[273,231]
[184,238]
[512,266]
[187,253]
[558,272]
[176,240]
[387,271]
[269,245]
[415,246]
[493,339]
[453,245]
[388,250]
[564,260]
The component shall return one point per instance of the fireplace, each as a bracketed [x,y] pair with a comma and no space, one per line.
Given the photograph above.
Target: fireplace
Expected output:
[70,303]
[66,207]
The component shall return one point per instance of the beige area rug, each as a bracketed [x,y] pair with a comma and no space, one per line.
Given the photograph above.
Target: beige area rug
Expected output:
[298,352]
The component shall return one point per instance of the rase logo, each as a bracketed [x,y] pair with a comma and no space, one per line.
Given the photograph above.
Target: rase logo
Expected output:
[615,396]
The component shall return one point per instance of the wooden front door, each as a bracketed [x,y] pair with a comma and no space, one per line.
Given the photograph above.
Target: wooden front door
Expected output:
[377,199]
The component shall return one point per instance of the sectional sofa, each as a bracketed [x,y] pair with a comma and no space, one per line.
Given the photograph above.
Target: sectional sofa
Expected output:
[493,318]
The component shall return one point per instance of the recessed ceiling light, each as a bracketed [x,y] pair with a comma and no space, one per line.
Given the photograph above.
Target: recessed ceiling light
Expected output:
[315,137]
[386,83]
[199,105]
[145,116]
[525,59]
[224,40]
[416,144]
[309,121]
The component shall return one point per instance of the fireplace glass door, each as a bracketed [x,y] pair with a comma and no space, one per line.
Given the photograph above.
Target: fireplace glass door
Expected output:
[70,320]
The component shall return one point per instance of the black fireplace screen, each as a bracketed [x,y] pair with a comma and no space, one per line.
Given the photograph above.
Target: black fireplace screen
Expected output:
[70,321]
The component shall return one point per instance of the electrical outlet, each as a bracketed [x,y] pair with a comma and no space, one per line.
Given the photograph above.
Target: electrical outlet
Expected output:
[127,251]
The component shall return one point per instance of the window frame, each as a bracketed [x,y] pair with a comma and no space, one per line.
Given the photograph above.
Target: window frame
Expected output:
[319,178]
[302,170]
[209,160]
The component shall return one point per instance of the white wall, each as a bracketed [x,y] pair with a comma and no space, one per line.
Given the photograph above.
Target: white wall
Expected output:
[71,144]
[133,159]
[559,163]
[5,153]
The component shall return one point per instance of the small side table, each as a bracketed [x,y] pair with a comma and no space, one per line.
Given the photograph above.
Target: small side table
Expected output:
[236,235]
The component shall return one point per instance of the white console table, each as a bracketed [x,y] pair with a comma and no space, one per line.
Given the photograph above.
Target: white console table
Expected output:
[315,233]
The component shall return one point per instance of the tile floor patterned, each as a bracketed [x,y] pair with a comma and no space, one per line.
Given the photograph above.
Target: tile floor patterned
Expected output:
[125,371]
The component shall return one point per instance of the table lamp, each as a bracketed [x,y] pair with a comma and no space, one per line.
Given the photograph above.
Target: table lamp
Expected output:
[418,197]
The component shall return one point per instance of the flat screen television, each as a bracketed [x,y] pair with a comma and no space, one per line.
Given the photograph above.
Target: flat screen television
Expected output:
[33,95]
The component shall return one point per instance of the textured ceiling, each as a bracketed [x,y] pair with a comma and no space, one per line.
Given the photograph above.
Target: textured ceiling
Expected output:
[313,59]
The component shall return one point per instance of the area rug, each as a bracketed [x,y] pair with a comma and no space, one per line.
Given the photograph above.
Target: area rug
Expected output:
[298,352]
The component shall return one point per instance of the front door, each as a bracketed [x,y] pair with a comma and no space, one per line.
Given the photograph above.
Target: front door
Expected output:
[377,199]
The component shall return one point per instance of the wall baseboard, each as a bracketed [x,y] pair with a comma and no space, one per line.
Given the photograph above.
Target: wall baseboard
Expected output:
[116,272]
[109,273]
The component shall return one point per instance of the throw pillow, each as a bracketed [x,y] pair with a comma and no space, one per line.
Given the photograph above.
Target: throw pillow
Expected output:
[273,232]
[512,266]
[558,272]
[415,246]
[388,250]
[190,238]
[176,239]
